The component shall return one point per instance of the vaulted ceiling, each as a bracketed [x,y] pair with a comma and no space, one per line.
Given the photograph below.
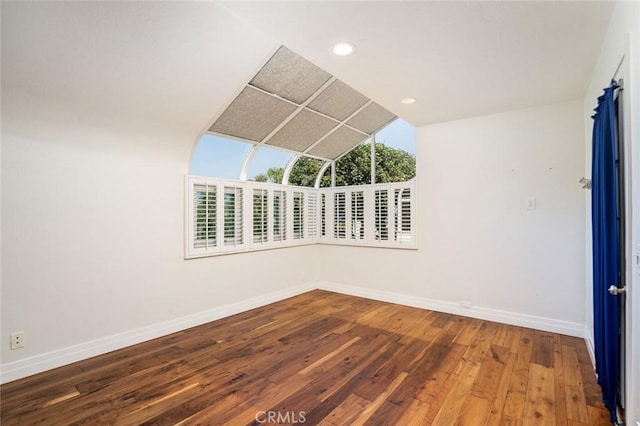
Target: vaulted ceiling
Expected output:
[174,67]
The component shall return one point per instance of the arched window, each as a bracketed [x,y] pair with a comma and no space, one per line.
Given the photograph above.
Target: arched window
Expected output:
[268,164]
[395,152]
[221,157]
[295,123]
[305,171]
[218,157]
[235,203]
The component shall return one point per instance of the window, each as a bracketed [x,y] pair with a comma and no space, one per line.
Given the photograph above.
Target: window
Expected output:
[382,214]
[260,216]
[399,135]
[329,126]
[298,215]
[230,216]
[403,213]
[205,216]
[325,181]
[357,215]
[312,207]
[267,165]
[395,152]
[354,168]
[218,157]
[339,214]
[323,213]
[279,215]
[305,171]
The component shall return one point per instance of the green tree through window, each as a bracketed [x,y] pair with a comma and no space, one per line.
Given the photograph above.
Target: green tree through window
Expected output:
[392,165]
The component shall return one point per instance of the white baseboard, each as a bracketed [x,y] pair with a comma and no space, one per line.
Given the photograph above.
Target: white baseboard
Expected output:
[47,361]
[588,340]
[513,318]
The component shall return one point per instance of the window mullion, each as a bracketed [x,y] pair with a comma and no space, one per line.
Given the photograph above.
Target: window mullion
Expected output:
[289,218]
[247,216]
[329,215]
[348,218]
[220,216]
[369,215]
[270,213]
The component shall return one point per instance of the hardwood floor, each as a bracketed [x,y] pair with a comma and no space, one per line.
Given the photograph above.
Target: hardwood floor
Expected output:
[324,358]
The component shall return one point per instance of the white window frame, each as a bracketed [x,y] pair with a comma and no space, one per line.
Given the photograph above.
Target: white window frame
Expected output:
[401,220]
[367,234]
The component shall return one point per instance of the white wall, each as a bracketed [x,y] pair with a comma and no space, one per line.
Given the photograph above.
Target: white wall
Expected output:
[622,39]
[477,241]
[96,142]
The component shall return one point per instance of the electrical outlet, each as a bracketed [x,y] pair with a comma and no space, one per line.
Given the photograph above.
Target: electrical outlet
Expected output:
[466,305]
[530,203]
[17,340]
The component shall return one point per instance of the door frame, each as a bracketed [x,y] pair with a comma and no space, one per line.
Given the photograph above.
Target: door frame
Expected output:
[631,108]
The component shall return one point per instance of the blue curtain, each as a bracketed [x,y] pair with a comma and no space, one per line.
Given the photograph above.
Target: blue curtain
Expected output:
[604,193]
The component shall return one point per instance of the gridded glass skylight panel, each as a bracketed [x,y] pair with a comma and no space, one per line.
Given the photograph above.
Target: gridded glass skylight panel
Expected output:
[270,100]
[337,143]
[302,131]
[252,115]
[372,118]
[338,101]
[290,76]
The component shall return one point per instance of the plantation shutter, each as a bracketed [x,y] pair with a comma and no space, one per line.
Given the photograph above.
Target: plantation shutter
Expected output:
[339,215]
[260,216]
[231,216]
[298,215]
[382,214]
[323,215]
[402,213]
[279,215]
[233,219]
[204,217]
[357,215]
[312,221]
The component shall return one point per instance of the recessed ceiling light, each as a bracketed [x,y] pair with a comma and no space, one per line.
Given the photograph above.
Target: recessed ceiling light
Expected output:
[343,49]
[407,101]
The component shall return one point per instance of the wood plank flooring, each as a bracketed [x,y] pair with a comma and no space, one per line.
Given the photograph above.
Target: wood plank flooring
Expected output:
[323,358]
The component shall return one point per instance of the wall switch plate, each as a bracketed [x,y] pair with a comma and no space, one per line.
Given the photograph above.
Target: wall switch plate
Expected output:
[17,340]
[530,203]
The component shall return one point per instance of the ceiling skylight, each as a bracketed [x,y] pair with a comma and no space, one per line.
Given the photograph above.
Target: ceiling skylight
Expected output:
[293,104]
